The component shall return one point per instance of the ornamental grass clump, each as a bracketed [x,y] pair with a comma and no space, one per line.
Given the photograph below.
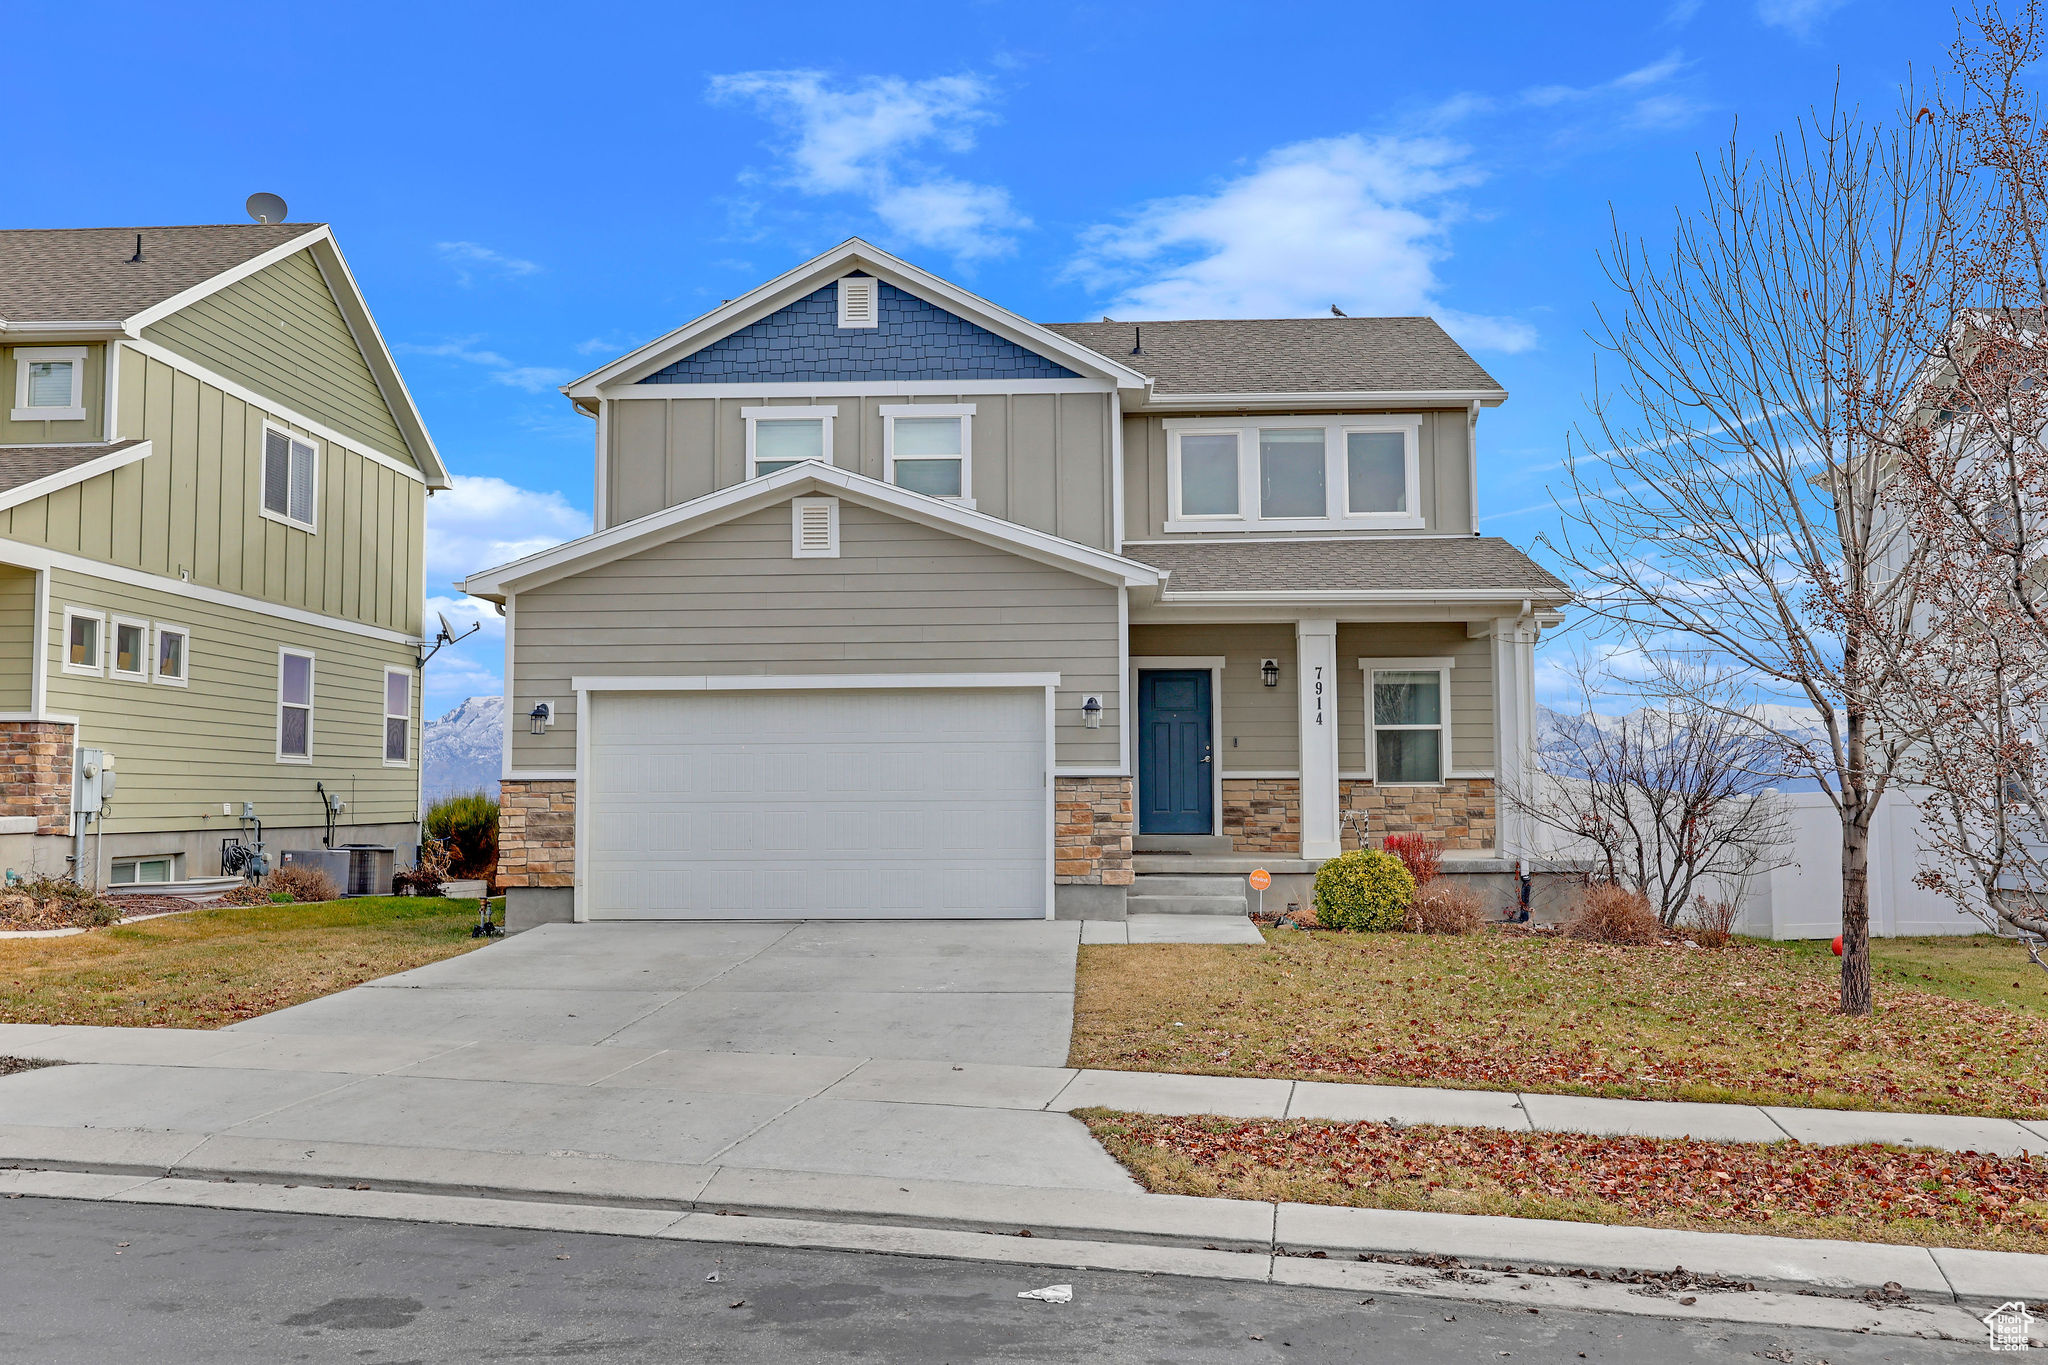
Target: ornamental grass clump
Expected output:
[1366,890]
[1607,913]
[1443,906]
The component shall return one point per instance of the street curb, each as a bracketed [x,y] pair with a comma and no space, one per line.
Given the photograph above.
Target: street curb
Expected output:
[1094,1217]
[1519,1290]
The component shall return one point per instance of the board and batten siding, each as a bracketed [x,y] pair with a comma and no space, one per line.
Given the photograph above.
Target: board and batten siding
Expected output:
[1470,702]
[1261,725]
[194,507]
[900,598]
[17,639]
[1043,460]
[182,751]
[280,332]
[93,392]
[1443,456]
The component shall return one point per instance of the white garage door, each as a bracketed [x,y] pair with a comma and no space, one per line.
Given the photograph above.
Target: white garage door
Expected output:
[921,803]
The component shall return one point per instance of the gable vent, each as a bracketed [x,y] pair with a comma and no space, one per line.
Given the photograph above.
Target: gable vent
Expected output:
[814,528]
[857,301]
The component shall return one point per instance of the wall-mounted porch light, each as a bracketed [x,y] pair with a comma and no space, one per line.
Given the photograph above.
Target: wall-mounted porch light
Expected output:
[541,716]
[1091,713]
[1269,672]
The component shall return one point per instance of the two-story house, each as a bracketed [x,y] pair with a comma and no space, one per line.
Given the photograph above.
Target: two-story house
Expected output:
[213,493]
[899,604]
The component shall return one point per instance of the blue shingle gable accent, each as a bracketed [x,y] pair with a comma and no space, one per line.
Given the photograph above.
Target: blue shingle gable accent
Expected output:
[804,342]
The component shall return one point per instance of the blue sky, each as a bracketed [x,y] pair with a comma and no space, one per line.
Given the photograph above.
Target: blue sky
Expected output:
[525,191]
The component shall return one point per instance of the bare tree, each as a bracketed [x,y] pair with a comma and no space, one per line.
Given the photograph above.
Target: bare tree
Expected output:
[1726,511]
[1671,800]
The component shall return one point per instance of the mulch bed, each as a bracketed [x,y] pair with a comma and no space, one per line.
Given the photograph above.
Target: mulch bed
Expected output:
[11,1065]
[142,906]
[19,912]
[1865,1192]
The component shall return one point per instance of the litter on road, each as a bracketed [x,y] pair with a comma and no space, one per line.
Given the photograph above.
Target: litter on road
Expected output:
[1052,1293]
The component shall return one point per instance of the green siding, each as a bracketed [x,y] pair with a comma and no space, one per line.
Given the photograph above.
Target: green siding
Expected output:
[281,333]
[55,433]
[1471,699]
[17,638]
[181,752]
[193,508]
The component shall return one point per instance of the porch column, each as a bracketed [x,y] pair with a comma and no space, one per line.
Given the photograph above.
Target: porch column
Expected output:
[1315,653]
[1514,728]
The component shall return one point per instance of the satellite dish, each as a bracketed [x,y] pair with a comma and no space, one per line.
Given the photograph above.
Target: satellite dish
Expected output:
[446,629]
[266,208]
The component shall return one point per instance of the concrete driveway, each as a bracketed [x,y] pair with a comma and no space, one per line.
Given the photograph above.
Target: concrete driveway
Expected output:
[927,991]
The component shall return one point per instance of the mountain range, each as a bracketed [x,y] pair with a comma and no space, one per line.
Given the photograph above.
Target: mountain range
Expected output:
[464,750]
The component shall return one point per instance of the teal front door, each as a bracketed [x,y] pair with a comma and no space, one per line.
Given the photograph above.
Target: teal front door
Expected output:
[1176,752]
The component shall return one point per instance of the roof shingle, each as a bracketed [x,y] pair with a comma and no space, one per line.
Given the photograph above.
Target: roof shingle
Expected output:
[1288,355]
[85,275]
[1386,564]
[25,464]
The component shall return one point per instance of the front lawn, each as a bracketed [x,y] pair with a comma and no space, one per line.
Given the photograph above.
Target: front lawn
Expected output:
[1863,1193]
[1753,1023]
[214,967]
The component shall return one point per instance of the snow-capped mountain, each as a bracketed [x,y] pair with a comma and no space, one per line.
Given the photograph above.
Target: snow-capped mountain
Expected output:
[464,750]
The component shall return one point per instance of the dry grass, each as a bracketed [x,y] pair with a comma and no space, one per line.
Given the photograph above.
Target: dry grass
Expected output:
[1865,1193]
[1751,1023]
[1606,913]
[215,967]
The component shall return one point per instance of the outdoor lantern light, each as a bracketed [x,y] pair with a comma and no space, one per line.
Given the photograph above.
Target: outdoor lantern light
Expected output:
[1269,672]
[539,716]
[1091,713]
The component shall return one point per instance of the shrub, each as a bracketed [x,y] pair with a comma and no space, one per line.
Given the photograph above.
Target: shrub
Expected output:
[469,825]
[1443,907]
[1606,913]
[1420,854]
[52,903]
[1711,923]
[428,876]
[1366,889]
[295,882]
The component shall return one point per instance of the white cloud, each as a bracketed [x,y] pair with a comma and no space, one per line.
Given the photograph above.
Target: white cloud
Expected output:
[532,378]
[864,140]
[1630,100]
[470,259]
[1353,221]
[1796,17]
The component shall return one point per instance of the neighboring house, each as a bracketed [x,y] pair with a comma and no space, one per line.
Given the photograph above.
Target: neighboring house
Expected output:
[899,604]
[213,496]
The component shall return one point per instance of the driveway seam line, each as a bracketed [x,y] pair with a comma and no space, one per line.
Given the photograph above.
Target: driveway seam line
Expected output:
[656,1009]
[307,1099]
[1773,1119]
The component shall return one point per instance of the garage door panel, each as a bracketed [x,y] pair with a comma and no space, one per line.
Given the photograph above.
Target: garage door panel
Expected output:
[786,804]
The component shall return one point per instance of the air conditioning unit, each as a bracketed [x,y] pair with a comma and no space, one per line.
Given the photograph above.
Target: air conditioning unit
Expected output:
[370,867]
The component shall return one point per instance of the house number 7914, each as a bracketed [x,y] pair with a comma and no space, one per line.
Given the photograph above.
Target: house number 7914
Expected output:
[1319,694]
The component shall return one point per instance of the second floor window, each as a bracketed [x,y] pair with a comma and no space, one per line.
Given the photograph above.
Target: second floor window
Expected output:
[1293,473]
[291,470]
[780,437]
[49,384]
[927,448]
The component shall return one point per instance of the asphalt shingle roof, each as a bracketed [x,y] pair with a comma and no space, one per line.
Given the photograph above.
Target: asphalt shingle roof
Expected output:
[1288,355]
[85,275]
[1387,564]
[26,464]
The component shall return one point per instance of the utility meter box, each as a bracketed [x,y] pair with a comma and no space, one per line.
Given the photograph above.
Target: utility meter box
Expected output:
[92,780]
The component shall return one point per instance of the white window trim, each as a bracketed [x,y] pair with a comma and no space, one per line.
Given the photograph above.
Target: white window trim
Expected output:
[1441,666]
[312,684]
[97,667]
[796,528]
[114,669]
[263,473]
[169,859]
[384,707]
[156,654]
[73,411]
[874,301]
[753,415]
[964,411]
[1336,467]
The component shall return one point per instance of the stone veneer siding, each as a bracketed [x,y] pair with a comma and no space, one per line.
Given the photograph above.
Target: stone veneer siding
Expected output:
[1460,812]
[35,773]
[1262,814]
[1092,831]
[536,832]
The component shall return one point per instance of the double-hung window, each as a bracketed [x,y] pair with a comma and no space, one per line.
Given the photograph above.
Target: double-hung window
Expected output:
[49,384]
[84,633]
[780,437]
[1293,473]
[397,717]
[1408,732]
[294,706]
[291,473]
[929,448]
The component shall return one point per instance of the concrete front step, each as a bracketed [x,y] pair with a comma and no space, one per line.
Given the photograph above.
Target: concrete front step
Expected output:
[1186,905]
[1219,864]
[1181,843]
[1156,884]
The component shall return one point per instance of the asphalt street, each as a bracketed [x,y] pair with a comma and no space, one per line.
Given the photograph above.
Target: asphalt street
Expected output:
[88,1282]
